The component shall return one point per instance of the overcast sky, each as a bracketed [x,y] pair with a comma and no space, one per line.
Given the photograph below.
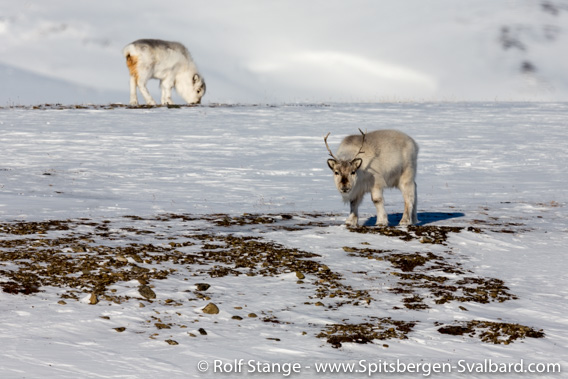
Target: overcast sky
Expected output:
[287,51]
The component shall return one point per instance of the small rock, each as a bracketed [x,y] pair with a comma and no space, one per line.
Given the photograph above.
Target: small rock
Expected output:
[172,342]
[237,318]
[252,315]
[139,270]
[319,304]
[211,309]
[61,302]
[202,286]
[120,329]
[299,275]
[94,299]
[161,325]
[136,258]
[146,292]
[202,331]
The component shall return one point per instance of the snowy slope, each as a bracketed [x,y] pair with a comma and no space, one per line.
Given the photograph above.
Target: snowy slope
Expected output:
[240,198]
[24,87]
[266,52]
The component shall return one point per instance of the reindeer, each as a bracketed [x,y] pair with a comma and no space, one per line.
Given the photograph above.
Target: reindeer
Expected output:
[171,63]
[371,162]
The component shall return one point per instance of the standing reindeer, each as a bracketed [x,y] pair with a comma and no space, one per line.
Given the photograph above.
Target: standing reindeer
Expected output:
[171,63]
[371,162]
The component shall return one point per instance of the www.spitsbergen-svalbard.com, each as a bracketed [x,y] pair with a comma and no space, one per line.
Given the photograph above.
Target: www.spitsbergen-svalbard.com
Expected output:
[379,367]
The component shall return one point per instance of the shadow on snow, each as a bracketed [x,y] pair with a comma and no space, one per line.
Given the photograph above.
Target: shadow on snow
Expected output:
[424,218]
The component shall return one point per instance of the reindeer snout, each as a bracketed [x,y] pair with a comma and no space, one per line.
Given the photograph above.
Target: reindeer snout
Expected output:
[343,185]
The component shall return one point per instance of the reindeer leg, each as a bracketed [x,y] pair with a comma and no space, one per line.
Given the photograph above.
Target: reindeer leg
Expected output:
[415,207]
[377,197]
[166,86]
[414,213]
[133,96]
[409,216]
[354,211]
[144,90]
[132,64]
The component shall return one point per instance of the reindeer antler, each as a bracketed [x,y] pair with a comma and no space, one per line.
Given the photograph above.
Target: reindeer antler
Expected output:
[326,145]
[362,143]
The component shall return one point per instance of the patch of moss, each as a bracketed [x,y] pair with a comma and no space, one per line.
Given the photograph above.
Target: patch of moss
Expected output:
[427,271]
[492,332]
[433,234]
[380,329]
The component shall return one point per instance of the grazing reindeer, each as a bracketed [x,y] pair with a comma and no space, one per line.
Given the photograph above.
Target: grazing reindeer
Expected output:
[171,63]
[372,162]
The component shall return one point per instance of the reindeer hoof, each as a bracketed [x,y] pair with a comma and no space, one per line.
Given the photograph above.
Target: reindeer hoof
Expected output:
[352,222]
[382,222]
[404,223]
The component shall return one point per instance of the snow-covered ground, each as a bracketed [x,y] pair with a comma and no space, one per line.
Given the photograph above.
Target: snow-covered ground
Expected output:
[107,202]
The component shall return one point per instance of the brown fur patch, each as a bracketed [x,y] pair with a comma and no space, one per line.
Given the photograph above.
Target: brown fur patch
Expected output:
[131,62]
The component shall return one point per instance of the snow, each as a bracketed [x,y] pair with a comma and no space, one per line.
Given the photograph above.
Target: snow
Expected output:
[270,52]
[158,178]
[100,201]
[22,86]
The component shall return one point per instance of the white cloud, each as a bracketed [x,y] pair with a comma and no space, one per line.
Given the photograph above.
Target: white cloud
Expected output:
[340,63]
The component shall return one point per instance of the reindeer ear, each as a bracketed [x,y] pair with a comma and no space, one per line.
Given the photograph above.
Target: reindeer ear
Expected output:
[195,78]
[331,163]
[357,163]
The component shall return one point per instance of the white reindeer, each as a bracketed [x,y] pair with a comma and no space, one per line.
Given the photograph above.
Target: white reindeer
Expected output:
[371,162]
[171,63]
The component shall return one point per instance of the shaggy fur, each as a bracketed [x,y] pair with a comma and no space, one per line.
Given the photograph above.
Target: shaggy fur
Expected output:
[387,159]
[171,63]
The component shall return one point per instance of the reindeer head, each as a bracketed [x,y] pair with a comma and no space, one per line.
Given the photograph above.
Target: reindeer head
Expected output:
[344,171]
[199,87]
[190,87]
